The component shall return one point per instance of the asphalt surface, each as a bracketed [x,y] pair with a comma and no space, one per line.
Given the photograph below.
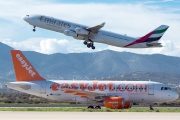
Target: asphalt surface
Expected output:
[88,116]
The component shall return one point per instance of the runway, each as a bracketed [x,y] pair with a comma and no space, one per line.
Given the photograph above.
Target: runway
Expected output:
[88,116]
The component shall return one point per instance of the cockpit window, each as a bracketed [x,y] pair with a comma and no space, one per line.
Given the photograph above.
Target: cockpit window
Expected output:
[27,15]
[165,88]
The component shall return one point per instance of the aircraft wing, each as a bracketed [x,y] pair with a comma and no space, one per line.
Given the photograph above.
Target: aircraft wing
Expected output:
[96,28]
[88,94]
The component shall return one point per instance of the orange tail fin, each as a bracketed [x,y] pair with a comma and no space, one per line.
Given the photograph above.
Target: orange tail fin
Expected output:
[23,69]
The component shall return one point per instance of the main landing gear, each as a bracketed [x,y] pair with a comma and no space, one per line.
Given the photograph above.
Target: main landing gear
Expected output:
[89,44]
[151,107]
[92,107]
[34,29]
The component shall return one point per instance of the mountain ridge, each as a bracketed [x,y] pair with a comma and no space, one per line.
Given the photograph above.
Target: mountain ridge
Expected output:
[96,65]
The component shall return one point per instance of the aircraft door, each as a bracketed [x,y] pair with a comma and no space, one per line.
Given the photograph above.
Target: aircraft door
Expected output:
[150,89]
[43,87]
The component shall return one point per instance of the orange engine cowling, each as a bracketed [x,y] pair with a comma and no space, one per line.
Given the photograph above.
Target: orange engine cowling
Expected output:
[114,102]
[127,105]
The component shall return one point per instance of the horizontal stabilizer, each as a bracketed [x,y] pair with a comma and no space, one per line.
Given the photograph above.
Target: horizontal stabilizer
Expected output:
[16,85]
[152,44]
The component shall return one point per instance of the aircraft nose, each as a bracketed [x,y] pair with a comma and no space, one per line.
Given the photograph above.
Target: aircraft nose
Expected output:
[25,17]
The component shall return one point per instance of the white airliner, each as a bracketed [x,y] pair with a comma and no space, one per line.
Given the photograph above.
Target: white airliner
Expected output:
[94,34]
[111,94]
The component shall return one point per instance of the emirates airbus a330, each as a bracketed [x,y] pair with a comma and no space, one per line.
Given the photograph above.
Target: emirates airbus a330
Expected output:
[94,34]
[111,94]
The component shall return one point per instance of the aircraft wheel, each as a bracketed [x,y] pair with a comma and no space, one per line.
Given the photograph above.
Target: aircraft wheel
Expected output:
[151,107]
[89,45]
[98,107]
[85,43]
[93,47]
[90,107]
[34,29]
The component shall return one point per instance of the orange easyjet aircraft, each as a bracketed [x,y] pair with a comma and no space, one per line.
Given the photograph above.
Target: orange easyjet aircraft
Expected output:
[111,94]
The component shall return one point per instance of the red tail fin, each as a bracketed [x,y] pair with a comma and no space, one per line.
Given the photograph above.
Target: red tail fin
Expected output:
[23,69]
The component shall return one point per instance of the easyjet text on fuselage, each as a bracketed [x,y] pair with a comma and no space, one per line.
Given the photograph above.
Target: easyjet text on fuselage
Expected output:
[110,86]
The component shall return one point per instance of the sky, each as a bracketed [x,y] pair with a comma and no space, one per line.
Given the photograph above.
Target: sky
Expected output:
[131,17]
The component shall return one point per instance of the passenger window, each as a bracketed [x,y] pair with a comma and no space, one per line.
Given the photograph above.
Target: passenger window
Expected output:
[165,88]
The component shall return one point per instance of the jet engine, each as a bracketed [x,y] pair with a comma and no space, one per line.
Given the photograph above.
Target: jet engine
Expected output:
[127,105]
[70,33]
[81,31]
[116,103]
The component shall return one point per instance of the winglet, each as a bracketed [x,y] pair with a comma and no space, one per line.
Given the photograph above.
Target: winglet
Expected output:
[23,69]
[102,24]
[96,28]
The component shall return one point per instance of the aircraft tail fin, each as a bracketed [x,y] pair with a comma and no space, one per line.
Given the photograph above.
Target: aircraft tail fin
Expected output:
[23,69]
[155,35]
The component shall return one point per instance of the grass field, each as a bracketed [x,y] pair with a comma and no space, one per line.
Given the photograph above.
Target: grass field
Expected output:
[64,109]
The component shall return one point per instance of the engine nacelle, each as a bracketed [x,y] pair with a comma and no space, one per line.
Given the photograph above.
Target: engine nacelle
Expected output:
[81,31]
[127,105]
[70,33]
[114,102]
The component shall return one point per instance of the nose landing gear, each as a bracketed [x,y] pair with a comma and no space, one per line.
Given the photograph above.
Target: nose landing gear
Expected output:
[34,29]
